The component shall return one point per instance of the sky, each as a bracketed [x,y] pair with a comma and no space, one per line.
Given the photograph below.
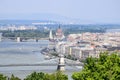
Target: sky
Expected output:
[101,11]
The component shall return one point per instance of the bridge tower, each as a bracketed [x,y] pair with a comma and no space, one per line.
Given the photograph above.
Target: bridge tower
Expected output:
[61,63]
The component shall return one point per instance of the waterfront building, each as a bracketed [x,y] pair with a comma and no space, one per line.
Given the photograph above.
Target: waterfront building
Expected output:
[80,52]
[74,37]
[59,34]
[81,46]
[60,47]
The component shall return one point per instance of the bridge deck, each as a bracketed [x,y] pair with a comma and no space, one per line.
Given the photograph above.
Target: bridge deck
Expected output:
[55,64]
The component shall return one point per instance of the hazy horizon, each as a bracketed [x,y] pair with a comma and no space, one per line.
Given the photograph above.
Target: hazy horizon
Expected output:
[77,11]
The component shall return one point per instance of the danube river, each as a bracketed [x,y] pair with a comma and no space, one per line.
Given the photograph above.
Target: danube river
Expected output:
[26,53]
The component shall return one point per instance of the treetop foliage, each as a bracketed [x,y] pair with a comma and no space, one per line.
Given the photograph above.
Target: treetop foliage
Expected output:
[44,76]
[106,67]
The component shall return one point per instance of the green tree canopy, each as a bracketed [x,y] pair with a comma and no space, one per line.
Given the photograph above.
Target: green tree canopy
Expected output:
[106,67]
[43,76]
[14,78]
[2,77]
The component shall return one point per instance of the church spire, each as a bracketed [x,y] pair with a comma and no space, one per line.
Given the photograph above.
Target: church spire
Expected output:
[50,34]
[59,26]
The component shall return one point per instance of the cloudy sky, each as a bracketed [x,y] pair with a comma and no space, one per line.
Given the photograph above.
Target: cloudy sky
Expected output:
[104,11]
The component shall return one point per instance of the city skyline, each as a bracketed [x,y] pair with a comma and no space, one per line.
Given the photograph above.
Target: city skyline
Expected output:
[84,11]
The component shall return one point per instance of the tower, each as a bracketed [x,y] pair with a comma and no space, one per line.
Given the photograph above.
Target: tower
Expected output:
[61,63]
[50,35]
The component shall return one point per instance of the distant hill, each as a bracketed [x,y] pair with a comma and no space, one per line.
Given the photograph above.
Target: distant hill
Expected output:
[45,17]
[25,21]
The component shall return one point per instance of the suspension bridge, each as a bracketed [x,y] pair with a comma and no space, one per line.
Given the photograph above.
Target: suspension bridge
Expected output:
[46,63]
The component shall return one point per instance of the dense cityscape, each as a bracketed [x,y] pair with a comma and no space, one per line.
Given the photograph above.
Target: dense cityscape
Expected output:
[87,42]
[59,39]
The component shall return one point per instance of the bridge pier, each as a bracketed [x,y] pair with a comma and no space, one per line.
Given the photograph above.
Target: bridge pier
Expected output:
[61,64]
[36,40]
[0,37]
[19,39]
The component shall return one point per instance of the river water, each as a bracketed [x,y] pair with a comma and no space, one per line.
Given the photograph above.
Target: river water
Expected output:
[26,53]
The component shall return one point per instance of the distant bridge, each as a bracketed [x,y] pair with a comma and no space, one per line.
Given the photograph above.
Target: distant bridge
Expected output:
[45,63]
[19,39]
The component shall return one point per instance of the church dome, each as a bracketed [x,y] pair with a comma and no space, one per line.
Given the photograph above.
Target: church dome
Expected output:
[59,31]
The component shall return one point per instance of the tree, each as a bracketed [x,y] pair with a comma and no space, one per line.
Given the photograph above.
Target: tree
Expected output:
[106,67]
[58,76]
[2,77]
[14,78]
[35,76]
[43,76]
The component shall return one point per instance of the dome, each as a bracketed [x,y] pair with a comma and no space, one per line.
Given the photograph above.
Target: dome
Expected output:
[59,31]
